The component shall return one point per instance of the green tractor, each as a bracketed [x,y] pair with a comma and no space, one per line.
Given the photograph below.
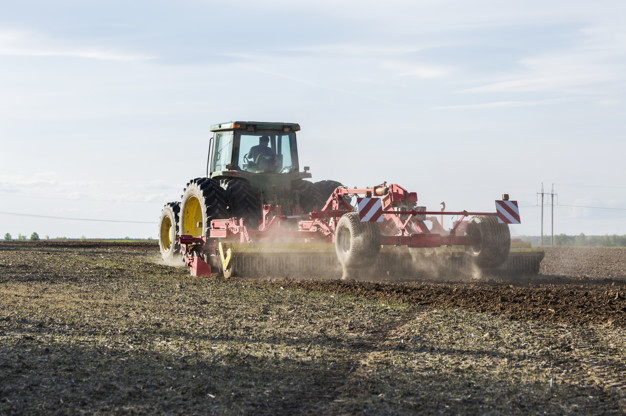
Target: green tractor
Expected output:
[249,164]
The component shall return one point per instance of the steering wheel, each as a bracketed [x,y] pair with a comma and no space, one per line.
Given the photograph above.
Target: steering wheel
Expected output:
[246,161]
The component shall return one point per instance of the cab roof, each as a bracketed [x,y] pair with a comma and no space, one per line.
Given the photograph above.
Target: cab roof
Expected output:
[255,125]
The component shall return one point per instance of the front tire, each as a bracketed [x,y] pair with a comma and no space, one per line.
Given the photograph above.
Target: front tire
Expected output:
[495,241]
[168,232]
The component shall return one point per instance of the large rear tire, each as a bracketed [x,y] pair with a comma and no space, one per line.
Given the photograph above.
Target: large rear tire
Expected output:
[357,243]
[495,241]
[168,232]
[307,196]
[242,201]
[203,200]
[326,188]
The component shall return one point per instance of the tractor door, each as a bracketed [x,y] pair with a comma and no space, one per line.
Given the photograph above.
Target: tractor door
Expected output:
[223,153]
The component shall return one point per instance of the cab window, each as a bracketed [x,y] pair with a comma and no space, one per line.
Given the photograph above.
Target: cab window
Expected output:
[266,152]
[222,155]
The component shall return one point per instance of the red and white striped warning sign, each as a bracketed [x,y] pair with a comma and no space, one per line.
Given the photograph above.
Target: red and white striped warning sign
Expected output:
[508,212]
[370,209]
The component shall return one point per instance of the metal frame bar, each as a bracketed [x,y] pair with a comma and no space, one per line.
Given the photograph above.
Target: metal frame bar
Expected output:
[321,225]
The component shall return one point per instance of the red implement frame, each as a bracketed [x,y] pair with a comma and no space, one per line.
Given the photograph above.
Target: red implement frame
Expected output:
[194,249]
[403,224]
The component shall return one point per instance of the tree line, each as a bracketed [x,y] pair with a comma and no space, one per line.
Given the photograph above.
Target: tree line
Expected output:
[21,237]
[580,240]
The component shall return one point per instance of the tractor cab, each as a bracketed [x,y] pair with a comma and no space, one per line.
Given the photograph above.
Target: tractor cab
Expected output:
[256,164]
[253,147]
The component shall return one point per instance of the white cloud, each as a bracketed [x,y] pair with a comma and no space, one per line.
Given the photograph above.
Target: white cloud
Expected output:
[609,102]
[20,43]
[596,64]
[17,183]
[48,185]
[497,104]
[260,68]
[374,51]
[424,71]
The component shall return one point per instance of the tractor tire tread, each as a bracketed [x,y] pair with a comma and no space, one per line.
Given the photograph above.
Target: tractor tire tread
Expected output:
[308,195]
[242,201]
[212,199]
[171,254]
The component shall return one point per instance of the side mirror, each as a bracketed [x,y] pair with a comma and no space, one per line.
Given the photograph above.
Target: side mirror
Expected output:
[306,168]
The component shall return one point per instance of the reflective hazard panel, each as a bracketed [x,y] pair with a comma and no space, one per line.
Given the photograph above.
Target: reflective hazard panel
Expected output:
[508,212]
[370,209]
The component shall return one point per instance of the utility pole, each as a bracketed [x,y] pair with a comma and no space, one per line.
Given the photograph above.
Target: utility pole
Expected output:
[552,216]
[541,236]
[552,194]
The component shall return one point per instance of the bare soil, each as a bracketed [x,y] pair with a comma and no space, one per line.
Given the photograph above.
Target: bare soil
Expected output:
[585,262]
[92,327]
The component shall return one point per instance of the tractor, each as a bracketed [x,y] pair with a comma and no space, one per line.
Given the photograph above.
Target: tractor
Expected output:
[250,164]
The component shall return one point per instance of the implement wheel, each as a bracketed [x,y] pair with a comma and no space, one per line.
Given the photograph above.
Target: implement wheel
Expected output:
[495,241]
[168,232]
[357,243]
[203,201]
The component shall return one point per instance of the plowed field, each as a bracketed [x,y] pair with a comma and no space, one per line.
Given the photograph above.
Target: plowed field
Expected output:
[88,327]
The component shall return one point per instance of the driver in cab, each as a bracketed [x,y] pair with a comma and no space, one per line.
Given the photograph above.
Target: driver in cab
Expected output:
[261,149]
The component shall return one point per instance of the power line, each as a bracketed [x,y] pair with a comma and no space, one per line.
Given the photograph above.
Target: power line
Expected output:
[584,206]
[114,198]
[17,214]
[582,185]
[574,206]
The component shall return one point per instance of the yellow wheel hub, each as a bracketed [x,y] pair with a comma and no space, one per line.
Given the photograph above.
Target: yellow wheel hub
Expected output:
[192,218]
[167,234]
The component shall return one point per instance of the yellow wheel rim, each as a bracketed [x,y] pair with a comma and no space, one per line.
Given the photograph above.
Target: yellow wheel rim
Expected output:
[192,218]
[167,234]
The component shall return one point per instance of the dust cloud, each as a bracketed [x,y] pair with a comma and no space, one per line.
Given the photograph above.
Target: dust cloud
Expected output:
[319,261]
[409,264]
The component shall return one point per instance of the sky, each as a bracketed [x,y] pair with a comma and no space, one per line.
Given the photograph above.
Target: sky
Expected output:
[105,106]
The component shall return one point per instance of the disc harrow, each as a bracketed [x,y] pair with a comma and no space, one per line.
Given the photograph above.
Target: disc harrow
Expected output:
[383,234]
